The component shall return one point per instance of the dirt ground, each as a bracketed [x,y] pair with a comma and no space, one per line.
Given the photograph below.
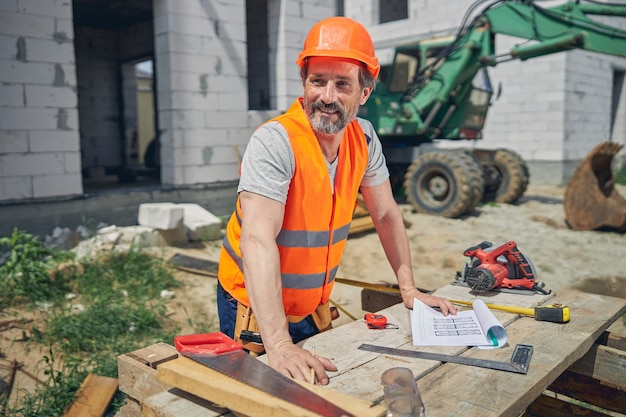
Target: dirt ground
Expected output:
[587,260]
[591,261]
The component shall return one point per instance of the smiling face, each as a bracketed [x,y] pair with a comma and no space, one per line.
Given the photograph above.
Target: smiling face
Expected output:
[332,93]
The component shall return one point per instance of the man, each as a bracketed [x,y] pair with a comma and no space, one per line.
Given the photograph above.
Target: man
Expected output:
[300,177]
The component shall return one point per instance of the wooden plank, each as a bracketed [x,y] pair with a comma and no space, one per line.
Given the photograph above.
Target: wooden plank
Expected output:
[137,370]
[176,403]
[357,368]
[605,364]
[93,397]
[462,293]
[556,347]
[452,389]
[194,265]
[361,225]
[238,397]
[154,355]
[610,339]
[372,300]
[546,406]
[589,390]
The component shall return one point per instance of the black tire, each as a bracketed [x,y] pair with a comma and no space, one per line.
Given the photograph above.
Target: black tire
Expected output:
[508,177]
[476,175]
[439,183]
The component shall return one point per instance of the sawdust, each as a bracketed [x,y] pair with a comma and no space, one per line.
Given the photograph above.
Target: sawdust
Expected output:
[563,258]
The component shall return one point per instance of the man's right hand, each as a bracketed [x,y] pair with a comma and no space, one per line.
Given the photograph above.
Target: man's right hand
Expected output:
[297,363]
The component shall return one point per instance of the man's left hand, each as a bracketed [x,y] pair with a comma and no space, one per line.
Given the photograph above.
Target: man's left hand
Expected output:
[409,296]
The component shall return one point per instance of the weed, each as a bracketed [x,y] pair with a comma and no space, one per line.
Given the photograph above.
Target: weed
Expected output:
[25,274]
[118,309]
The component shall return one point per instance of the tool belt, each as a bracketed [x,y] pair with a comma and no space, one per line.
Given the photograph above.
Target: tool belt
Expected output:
[246,322]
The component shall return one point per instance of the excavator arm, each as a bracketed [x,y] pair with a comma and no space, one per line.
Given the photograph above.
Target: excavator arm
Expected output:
[442,88]
[432,89]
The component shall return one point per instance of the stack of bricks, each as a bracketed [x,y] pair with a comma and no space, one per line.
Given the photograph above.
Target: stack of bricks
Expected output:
[146,396]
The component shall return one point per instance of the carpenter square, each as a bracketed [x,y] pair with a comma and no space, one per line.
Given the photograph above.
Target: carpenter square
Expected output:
[518,364]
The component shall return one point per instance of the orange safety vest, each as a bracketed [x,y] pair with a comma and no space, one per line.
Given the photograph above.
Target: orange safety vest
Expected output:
[316,222]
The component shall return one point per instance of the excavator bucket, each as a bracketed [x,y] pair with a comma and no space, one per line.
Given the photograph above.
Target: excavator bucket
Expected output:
[591,199]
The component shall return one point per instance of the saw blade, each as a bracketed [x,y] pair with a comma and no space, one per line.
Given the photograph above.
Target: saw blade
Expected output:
[251,371]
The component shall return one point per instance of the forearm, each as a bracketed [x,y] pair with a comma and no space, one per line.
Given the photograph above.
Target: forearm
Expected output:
[263,285]
[395,243]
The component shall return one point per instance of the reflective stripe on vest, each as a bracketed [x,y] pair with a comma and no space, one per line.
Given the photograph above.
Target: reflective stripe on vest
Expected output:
[315,224]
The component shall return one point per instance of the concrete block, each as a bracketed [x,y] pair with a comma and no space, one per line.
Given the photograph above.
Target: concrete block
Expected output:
[15,188]
[54,141]
[143,236]
[137,372]
[175,237]
[57,184]
[13,141]
[50,96]
[162,216]
[11,95]
[200,223]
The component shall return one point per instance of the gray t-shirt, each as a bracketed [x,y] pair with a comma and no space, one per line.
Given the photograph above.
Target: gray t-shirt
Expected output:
[268,163]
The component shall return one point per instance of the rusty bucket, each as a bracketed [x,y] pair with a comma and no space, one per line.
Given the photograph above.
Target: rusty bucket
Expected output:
[591,199]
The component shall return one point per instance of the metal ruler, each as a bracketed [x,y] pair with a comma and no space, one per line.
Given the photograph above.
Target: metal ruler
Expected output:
[520,360]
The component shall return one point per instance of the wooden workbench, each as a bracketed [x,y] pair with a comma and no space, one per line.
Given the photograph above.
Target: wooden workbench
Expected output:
[452,389]
[459,390]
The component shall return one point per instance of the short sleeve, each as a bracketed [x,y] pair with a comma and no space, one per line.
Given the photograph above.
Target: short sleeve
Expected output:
[377,171]
[268,163]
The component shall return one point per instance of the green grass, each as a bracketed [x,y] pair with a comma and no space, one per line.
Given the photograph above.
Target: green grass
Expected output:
[117,308]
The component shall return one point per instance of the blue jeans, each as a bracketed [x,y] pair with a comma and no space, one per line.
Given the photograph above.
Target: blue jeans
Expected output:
[227,313]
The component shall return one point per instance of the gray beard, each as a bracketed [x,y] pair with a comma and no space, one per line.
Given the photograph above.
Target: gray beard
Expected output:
[323,124]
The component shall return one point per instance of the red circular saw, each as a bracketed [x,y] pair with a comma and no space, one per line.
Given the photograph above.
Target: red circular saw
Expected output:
[501,267]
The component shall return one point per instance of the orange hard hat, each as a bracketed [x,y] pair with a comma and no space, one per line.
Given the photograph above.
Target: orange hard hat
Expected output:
[340,37]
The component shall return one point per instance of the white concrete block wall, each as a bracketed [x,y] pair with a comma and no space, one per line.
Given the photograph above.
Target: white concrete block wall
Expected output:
[528,116]
[99,97]
[200,50]
[588,102]
[39,141]
[289,23]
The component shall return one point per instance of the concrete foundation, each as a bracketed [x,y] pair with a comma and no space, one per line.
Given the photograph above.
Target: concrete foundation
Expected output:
[118,208]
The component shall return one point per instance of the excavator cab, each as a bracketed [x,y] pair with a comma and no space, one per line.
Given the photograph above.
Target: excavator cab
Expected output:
[591,200]
[437,89]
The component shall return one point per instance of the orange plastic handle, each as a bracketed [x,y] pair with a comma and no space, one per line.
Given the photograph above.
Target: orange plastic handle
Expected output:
[206,344]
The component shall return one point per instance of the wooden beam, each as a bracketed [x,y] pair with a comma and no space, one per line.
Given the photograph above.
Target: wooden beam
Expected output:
[545,406]
[613,340]
[605,364]
[93,397]
[206,383]
[589,390]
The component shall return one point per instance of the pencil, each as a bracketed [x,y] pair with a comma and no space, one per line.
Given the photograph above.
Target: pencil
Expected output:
[312,376]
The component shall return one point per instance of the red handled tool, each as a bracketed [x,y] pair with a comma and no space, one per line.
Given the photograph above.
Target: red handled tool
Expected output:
[221,353]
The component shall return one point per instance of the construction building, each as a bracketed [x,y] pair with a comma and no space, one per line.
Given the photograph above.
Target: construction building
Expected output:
[81,141]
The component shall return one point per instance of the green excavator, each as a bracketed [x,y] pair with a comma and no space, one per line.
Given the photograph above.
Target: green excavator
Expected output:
[440,89]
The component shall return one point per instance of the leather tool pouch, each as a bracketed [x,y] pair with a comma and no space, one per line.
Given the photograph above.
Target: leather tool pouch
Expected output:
[247,321]
[322,317]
